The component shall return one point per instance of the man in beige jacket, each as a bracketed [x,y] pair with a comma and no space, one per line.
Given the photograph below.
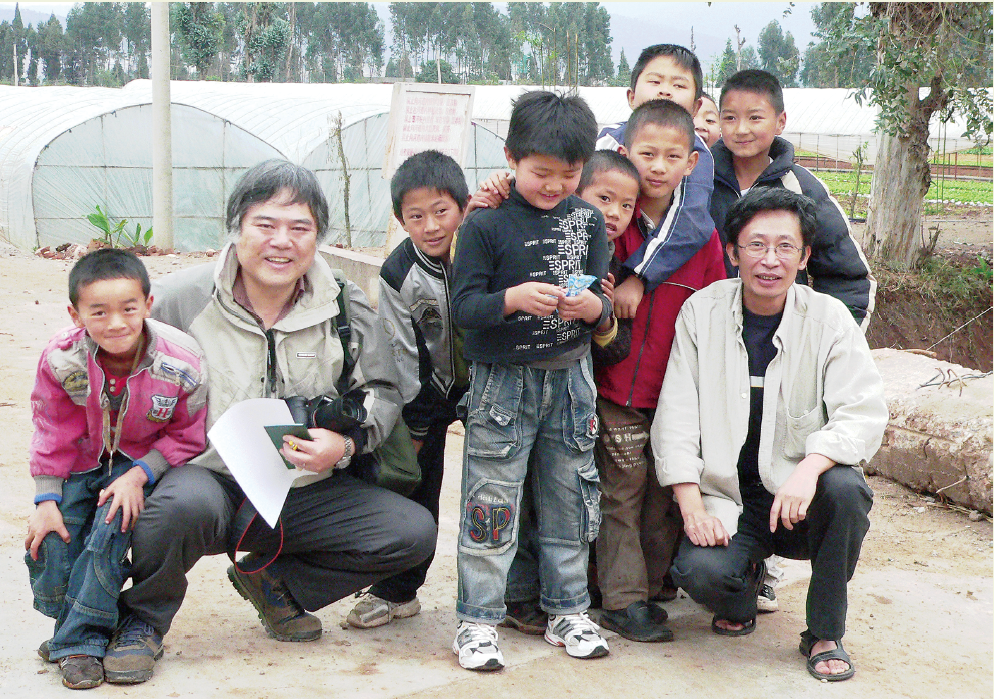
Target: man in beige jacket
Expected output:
[770,404]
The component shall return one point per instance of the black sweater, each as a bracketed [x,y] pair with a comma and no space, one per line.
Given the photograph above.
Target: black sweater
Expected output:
[517,243]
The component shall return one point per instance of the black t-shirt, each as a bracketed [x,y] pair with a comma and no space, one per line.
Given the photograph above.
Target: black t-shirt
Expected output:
[757,335]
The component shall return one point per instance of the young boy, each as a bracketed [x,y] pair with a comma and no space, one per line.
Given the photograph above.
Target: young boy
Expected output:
[706,121]
[670,72]
[531,387]
[638,534]
[429,195]
[752,154]
[117,400]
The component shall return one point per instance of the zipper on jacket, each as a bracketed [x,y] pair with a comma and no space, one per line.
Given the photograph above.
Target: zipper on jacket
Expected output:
[271,375]
[451,333]
[638,362]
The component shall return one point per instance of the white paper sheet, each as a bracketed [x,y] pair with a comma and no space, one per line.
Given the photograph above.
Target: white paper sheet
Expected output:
[249,454]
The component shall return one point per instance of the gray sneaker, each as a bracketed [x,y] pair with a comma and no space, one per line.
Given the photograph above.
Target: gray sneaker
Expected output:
[766,600]
[132,652]
[282,616]
[81,671]
[372,611]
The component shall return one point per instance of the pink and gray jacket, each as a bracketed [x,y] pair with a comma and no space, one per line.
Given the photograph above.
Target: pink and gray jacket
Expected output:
[165,408]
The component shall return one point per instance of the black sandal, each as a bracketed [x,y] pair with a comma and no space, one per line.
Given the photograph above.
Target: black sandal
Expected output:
[747,627]
[808,640]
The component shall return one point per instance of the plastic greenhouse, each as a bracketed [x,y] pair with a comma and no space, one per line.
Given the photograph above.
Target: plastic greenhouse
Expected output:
[65,150]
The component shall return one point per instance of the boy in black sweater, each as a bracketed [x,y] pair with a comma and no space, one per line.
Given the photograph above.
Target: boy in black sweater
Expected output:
[521,294]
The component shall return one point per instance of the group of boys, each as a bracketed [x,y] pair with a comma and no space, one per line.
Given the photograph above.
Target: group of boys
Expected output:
[566,308]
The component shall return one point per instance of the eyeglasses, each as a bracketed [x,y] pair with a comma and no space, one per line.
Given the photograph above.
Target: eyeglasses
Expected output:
[758,250]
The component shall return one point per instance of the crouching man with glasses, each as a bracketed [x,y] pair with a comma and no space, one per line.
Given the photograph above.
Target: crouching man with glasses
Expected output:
[770,404]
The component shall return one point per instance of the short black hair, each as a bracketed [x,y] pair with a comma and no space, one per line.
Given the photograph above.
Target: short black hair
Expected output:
[106,263]
[759,199]
[266,180]
[549,123]
[606,161]
[758,82]
[660,113]
[428,169]
[709,98]
[685,58]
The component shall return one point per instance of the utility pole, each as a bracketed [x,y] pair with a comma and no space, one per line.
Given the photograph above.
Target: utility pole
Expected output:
[162,137]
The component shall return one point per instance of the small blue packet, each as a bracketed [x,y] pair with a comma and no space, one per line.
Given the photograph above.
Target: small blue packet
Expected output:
[578,282]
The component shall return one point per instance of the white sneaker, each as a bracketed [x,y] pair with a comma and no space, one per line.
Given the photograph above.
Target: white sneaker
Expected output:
[371,611]
[766,600]
[578,634]
[476,646]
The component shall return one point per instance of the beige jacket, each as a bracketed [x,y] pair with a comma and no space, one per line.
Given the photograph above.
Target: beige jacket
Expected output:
[822,394]
[305,345]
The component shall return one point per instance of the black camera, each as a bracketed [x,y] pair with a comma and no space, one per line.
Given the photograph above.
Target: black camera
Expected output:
[342,415]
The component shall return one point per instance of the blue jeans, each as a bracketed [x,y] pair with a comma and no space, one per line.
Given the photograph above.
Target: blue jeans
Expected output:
[78,583]
[512,412]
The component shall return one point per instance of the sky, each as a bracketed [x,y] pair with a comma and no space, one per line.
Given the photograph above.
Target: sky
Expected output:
[634,25]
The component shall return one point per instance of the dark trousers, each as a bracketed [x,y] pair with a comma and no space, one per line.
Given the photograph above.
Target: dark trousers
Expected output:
[721,577]
[404,586]
[340,535]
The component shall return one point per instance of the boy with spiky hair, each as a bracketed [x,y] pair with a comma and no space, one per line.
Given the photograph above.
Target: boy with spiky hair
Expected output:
[429,196]
[531,387]
[751,153]
[118,400]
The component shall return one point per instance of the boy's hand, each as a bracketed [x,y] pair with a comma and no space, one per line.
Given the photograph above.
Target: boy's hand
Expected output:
[483,200]
[44,520]
[127,495]
[607,288]
[493,190]
[536,298]
[628,296]
[584,306]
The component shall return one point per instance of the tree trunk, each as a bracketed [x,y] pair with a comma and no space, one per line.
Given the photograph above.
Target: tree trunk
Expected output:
[893,223]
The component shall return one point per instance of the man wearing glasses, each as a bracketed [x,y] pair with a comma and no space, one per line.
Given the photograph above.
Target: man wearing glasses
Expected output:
[764,454]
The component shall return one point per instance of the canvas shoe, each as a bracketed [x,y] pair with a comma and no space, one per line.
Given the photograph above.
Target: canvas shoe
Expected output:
[577,634]
[132,652]
[372,611]
[476,646]
[81,671]
[766,600]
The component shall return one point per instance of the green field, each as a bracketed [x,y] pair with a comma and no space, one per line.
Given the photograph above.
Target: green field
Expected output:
[960,191]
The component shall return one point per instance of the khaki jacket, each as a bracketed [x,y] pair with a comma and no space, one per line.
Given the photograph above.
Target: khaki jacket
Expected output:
[304,346]
[822,394]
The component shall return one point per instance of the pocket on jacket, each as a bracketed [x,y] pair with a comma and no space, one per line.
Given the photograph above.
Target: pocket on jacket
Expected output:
[797,429]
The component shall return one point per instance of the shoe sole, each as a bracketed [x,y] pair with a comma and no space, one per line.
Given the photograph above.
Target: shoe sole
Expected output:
[524,627]
[662,636]
[132,676]
[403,611]
[89,684]
[767,606]
[313,636]
[597,652]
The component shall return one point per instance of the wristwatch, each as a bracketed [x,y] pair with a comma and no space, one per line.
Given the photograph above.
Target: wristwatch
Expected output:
[347,454]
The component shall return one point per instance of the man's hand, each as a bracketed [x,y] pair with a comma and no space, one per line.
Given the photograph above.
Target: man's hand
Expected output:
[584,306]
[127,494]
[702,528]
[790,505]
[536,298]
[418,443]
[44,520]
[628,296]
[318,454]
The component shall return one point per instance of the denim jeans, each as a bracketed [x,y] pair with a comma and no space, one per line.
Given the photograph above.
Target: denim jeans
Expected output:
[78,583]
[512,412]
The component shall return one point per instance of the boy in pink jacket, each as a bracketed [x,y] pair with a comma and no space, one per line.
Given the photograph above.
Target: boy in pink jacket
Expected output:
[118,399]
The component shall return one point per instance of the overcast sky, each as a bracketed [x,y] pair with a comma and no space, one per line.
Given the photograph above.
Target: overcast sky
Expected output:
[634,25]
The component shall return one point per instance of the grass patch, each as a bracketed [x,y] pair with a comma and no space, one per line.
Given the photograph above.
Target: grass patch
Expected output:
[958,286]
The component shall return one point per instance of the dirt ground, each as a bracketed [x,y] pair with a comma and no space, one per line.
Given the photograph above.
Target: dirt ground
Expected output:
[921,615]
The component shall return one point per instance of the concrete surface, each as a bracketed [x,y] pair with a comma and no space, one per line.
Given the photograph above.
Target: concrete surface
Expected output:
[939,436]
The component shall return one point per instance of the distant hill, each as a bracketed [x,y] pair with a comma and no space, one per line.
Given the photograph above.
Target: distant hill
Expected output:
[29,16]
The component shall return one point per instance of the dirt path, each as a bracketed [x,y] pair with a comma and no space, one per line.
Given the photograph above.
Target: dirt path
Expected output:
[920,616]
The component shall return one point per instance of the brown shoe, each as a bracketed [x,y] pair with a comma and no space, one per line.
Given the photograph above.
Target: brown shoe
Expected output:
[81,671]
[282,616]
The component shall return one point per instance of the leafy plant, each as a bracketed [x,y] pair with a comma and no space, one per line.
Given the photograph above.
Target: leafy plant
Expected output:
[113,232]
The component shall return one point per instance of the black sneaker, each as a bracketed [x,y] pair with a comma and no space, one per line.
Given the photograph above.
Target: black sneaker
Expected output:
[766,600]
[81,671]
[637,622]
[526,617]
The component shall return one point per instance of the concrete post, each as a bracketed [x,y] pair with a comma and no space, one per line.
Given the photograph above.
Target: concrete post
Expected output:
[162,140]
